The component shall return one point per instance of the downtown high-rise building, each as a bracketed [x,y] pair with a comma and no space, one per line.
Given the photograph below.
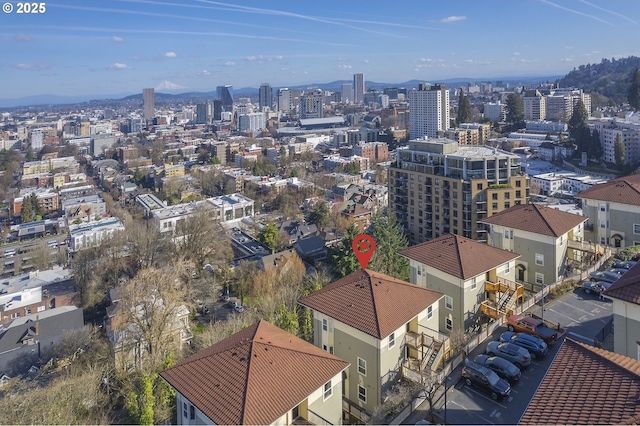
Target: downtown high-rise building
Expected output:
[265,96]
[359,88]
[428,110]
[439,187]
[346,93]
[148,97]
[311,104]
[225,94]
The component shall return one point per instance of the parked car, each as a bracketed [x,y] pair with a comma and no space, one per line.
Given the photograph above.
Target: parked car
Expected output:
[206,311]
[233,303]
[610,275]
[9,253]
[238,308]
[500,366]
[517,355]
[624,264]
[595,287]
[483,378]
[535,345]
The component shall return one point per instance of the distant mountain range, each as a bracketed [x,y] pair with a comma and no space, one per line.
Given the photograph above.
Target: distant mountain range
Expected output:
[167,91]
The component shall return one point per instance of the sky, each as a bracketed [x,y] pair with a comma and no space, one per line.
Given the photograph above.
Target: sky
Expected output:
[106,47]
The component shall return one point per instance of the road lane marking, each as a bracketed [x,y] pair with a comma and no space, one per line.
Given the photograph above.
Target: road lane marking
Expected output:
[487,398]
[574,307]
[485,421]
[566,316]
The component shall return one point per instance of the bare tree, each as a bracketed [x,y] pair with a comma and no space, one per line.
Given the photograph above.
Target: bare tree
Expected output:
[151,302]
[41,256]
[201,239]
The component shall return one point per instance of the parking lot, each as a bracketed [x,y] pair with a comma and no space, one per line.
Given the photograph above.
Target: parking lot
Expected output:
[583,315]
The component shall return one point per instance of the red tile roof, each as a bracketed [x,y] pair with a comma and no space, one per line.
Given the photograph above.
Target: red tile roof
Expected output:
[254,376]
[585,386]
[371,302]
[458,256]
[625,190]
[627,287]
[537,219]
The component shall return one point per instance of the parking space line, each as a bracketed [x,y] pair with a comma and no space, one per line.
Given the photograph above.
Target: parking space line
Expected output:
[486,397]
[574,307]
[566,316]
[485,421]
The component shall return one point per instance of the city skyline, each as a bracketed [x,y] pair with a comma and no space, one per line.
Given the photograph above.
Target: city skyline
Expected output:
[86,48]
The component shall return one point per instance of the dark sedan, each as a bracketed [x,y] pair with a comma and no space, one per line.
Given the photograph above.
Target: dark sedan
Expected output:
[500,366]
[536,346]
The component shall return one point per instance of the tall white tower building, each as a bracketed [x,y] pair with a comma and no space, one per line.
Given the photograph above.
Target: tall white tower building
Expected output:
[358,88]
[428,110]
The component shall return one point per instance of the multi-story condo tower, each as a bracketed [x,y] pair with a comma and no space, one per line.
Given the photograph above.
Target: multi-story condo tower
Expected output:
[265,96]
[438,187]
[347,93]
[311,104]
[358,88]
[149,103]
[629,133]
[428,110]
[534,105]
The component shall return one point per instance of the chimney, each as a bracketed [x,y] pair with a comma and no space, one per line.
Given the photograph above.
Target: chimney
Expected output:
[37,327]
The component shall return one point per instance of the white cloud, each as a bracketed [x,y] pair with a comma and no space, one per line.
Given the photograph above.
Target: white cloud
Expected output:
[253,58]
[23,66]
[204,73]
[118,66]
[345,67]
[117,39]
[22,37]
[566,60]
[516,53]
[230,64]
[38,66]
[454,18]
[170,55]
[429,60]
[366,61]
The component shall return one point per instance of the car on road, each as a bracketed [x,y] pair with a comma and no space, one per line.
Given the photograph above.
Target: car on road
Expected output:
[233,304]
[535,345]
[9,253]
[517,355]
[500,366]
[238,308]
[485,379]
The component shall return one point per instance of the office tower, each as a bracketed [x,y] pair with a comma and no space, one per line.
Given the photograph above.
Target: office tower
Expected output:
[358,88]
[534,105]
[225,94]
[391,92]
[438,187]
[495,111]
[201,113]
[251,122]
[311,104]
[265,96]
[37,139]
[217,109]
[347,93]
[284,99]
[149,103]
[428,110]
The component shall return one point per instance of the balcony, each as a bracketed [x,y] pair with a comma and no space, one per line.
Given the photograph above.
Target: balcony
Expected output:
[426,352]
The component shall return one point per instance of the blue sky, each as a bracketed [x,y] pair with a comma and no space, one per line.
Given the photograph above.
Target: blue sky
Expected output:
[114,47]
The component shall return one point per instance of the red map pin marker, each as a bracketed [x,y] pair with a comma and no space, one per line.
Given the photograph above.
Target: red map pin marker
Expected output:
[363,246]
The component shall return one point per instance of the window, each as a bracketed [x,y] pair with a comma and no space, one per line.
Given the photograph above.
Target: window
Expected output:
[392,340]
[184,410]
[15,315]
[507,205]
[362,366]
[539,259]
[494,196]
[448,302]
[448,323]
[506,269]
[325,324]
[518,194]
[192,412]
[362,394]
[507,195]
[518,183]
[474,283]
[331,350]
[494,206]
[539,278]
[324,348]
[430,312]
[328,390]
[479,186]
[636,228]
[41,308]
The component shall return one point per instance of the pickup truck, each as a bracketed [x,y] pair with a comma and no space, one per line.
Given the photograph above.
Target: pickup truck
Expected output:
[536,326]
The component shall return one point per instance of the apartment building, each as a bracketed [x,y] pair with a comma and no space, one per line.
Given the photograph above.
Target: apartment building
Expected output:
[429,110]
[629,132]
[534,105]
[438,187]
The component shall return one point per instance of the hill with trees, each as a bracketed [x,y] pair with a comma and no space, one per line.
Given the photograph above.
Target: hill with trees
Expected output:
[611,78]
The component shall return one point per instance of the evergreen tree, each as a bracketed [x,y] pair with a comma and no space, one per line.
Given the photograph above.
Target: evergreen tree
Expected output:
[634,90]
[464,109]
[344,259]
[578,119]
[595,147]
[270,236]
[389,241]
[514,108]
[619,152]
[319,215]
